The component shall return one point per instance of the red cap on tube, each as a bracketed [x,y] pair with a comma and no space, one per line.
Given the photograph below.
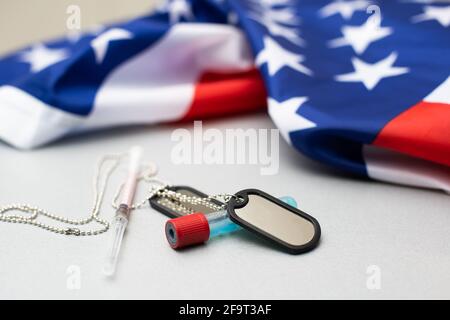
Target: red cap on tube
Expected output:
[187,230]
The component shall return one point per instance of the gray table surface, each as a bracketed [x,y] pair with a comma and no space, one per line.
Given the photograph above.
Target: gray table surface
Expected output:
[403,231]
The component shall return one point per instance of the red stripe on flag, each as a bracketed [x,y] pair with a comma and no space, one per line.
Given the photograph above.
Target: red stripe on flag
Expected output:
[422,131]
[219,94]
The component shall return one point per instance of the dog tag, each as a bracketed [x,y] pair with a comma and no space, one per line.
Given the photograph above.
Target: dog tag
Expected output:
[291,229]
[174,209]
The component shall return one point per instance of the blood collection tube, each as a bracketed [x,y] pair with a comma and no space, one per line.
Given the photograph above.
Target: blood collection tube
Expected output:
[198,228]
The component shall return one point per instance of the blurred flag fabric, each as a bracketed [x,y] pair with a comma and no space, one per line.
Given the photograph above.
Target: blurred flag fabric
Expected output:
[360,85]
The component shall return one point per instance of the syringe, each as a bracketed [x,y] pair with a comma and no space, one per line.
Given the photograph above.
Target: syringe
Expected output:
[198,228]
[121,219]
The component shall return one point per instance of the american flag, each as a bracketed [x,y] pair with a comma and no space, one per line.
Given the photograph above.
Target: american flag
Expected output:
[360,85]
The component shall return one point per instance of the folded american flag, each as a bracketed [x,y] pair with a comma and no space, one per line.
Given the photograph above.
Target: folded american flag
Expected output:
[360,85]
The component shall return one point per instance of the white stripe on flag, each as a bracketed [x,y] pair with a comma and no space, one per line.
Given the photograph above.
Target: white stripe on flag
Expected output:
[390,166]
[26,122]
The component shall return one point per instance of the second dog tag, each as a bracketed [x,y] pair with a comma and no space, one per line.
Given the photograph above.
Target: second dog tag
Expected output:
[291,229]
[173,208]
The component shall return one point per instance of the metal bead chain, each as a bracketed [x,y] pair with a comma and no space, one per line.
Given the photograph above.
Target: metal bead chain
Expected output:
[99,188]
[157,187]
[195,200]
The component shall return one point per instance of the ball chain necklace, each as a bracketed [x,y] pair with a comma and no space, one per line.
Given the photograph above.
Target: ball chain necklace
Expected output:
[107,164]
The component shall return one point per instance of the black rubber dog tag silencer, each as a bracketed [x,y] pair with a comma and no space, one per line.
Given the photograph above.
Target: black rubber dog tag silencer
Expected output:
[289,228]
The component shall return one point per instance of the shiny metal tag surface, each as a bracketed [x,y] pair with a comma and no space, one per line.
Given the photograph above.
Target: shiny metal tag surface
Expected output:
[291,229]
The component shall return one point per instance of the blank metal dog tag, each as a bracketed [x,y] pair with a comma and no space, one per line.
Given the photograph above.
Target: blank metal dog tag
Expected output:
[274,220]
